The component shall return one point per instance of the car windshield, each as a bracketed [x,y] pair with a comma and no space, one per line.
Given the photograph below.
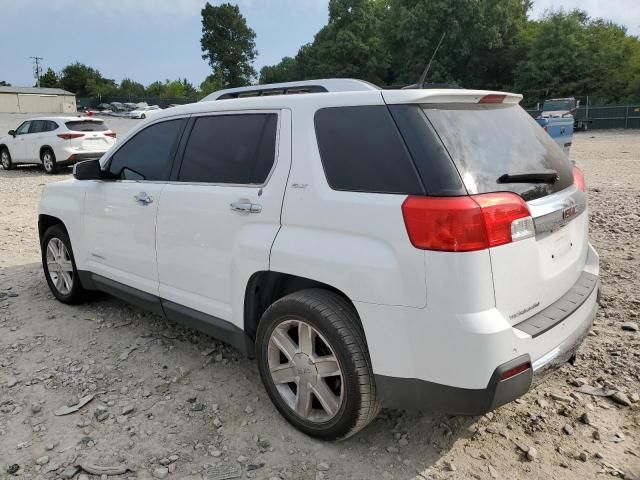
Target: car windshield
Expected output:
[487,142]
[86,126]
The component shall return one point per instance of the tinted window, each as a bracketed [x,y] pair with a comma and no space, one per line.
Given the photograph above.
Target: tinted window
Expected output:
[37,126]
[362,151]
[86,126]
[488,141]
[230,149]
[149,153]
[51,126]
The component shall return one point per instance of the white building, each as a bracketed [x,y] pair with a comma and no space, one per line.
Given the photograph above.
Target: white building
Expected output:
[36,100]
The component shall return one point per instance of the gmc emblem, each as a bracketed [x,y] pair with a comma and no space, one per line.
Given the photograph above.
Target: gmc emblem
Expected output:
[569,212]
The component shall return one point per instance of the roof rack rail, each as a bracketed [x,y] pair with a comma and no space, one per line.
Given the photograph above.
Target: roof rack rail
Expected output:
[291,88]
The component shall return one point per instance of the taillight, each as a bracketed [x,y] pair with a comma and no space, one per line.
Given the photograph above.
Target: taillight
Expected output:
[492,98]
[69,136]
[578,179]
[463,224]
[110,134]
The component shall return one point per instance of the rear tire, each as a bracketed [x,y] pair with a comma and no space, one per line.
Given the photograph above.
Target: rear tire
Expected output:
[49,161]
[59,266]
[325,387]
[5,159]
[143,116]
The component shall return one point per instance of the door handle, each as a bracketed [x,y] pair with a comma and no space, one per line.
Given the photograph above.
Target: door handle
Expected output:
[245,206]
[143,198]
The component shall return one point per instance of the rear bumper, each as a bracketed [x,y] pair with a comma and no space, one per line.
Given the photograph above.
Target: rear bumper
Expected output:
[453,363]
[414,394]
[79,157]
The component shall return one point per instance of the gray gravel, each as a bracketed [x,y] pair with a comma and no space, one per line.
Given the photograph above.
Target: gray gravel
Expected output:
[147,376]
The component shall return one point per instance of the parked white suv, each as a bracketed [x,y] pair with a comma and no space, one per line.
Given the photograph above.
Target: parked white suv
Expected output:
[55,141]
[409,248]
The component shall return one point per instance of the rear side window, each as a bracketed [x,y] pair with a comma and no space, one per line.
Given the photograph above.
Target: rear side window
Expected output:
[235,149]
[149,153]
[489,141]
[362,151]
[86,126]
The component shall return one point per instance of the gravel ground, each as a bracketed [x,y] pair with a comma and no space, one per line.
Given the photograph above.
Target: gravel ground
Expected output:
[170,402]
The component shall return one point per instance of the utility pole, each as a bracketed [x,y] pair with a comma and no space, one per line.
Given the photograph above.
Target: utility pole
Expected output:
[37,69]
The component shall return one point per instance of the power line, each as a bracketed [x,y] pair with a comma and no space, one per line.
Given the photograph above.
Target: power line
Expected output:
[37,70]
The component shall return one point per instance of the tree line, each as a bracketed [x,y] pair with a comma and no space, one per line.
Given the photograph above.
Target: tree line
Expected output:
[87,81]
[490,44]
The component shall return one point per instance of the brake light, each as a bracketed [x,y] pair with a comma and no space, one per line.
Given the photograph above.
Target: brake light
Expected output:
[69,136]
[492,98]
[110,134]
[578,179]
[464,224]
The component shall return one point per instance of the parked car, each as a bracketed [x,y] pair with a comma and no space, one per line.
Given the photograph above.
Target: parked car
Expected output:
[143,112]
[368,247]
[117,107]
[55,141]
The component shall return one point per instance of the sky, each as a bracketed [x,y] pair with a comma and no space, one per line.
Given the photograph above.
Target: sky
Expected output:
[149,40]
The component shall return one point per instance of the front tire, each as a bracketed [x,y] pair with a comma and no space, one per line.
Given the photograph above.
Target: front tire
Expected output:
[59,266]
[5,159]
[143,116]
[49,161]
[314,363]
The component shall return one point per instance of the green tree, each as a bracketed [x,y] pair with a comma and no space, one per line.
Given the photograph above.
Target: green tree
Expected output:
[85,81]
[285,71]
[156,89]
[228,43]
[4,84]
[210,84]
[131,88]
[480,45]
[569,53]
[50,79]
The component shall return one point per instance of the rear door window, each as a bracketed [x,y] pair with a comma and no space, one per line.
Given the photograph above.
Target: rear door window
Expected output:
[148,155]
[489,141]
[362,151]
[86,126]
[233,149]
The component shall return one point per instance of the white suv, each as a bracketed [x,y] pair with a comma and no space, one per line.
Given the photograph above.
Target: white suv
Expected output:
[55,141]
[406,248]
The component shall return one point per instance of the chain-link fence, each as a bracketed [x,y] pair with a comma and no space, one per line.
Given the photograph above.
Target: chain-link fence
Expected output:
[605,116]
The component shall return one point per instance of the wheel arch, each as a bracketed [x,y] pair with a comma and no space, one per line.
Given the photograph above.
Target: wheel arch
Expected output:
[47,221]
[266,287]
[46,147]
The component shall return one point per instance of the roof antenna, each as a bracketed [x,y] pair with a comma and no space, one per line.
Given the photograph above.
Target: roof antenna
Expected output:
[426,70]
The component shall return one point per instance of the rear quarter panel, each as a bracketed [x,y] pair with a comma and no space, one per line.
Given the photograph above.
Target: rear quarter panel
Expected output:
[355,242]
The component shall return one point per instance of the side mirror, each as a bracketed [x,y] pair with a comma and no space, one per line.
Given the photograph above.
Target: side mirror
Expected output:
[87,170]
[12,133]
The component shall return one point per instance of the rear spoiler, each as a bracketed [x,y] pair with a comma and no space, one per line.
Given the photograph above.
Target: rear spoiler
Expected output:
[448,96]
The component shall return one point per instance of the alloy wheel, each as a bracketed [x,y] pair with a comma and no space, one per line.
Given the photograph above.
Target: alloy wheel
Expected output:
[5,160]
[47,161]
[305,371]
[60,266]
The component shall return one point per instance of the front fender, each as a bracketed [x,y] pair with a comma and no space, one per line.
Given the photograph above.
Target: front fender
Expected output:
[65,201]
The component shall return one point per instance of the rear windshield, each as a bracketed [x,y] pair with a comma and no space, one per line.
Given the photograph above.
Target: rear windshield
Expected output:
[489,141]
[86,126]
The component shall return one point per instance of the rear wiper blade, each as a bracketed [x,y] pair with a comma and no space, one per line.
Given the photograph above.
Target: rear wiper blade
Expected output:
[547,176]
